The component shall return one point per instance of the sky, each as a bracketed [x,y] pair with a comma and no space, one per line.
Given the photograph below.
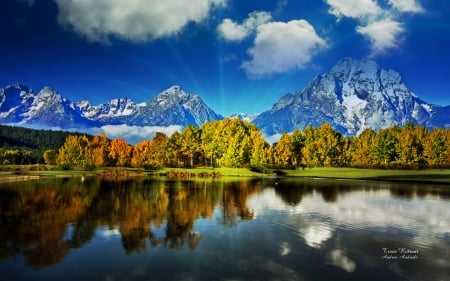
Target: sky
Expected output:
[240,56]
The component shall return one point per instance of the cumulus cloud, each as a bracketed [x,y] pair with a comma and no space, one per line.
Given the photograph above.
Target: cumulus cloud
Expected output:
[381,26]
[282,46]
[383,35]
[137,20]
[232,31]
[407,6]
[353,8]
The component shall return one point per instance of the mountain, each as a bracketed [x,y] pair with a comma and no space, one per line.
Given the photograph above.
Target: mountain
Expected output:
[354,96]
[20,105]
[47,108]
[244,116]
[175,107]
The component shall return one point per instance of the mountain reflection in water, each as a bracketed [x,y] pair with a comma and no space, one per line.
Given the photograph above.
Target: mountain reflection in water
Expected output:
[46,221]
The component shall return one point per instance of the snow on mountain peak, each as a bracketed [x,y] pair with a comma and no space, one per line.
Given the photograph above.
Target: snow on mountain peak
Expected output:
[354,96]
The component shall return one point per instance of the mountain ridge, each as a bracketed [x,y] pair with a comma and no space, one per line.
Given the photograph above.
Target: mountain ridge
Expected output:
[21,105]
[355,95]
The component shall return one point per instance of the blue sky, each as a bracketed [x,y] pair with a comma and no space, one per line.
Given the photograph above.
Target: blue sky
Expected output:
[238,55]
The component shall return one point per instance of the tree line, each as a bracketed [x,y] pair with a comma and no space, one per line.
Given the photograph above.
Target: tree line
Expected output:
[236,143]
[20,145]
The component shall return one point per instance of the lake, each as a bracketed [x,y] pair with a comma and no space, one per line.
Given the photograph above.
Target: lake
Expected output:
[229,229]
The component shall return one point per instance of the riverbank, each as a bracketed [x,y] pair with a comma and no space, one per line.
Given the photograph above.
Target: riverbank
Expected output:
[425,176]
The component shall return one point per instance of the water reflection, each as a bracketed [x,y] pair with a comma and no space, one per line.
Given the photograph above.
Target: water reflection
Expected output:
[35,216]
[262,228]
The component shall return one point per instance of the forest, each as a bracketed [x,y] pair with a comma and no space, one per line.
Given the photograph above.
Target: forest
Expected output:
[236,143]
[20,145]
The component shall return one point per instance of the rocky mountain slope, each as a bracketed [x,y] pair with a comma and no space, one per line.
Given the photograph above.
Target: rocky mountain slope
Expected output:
[354,96]
[20,105]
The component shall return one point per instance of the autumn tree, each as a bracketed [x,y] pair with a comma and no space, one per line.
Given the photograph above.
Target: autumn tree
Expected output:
[120,152]
[437,148]
[173,150]
[150,154]
[100,150]
[283,152]
[75,153]
[363,148]
[50,157]
[190,144]
[411,147]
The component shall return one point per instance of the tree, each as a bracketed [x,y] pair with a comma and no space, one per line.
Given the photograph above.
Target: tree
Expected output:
[75,153]
[190,144]
[298,142]
[258,156]
[120,152]
[50,157]
[283,152]
[173,150]
[436,148]
[363,149]
[411,148]
[100,150]
[386,149]
[150,154]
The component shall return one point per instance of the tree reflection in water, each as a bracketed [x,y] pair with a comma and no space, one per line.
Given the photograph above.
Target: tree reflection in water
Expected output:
[35,216]
[44,220]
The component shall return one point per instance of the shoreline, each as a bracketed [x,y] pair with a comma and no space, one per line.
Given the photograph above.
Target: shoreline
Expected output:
[432,176]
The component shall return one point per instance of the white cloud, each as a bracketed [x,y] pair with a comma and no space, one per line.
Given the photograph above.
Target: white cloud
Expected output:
[136,20]
[407,6]
[282,46]
[381,26]
[281,5]
[232,31]
[135,134]
[353,8]
[383,35]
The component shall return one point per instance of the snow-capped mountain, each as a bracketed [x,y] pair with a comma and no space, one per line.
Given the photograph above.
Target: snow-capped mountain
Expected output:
[20,105]
[244,116]
[174,107]
[355,95]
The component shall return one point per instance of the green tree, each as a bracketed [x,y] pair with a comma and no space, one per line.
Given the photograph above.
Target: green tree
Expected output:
[387,142]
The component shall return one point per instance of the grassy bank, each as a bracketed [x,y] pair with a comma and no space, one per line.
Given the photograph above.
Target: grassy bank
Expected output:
[432,175]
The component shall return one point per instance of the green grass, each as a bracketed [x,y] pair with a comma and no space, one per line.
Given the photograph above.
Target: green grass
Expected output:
[430,175]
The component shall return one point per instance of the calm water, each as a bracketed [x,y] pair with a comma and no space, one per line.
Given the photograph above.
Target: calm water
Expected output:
[213,230]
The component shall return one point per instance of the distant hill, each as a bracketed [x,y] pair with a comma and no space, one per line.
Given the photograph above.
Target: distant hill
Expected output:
[37,141]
